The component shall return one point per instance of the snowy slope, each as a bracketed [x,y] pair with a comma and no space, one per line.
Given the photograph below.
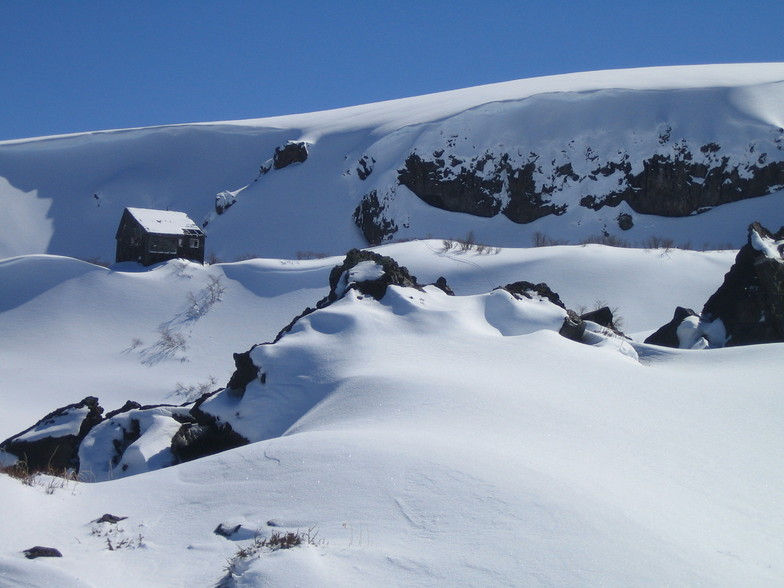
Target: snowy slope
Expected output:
[99,323]
[64,195]
[430,440]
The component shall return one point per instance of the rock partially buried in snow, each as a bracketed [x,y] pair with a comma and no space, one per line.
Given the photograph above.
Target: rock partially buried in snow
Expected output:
[40,551]
[667,335]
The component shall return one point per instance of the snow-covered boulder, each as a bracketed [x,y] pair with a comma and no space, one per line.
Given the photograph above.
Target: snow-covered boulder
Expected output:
[52,443]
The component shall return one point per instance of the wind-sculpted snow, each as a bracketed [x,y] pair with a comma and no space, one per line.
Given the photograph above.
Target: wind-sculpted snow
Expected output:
[429,439]
[373,304]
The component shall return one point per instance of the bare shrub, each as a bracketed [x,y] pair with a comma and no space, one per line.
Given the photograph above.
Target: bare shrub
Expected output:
[116,537]
[657,242]
[541,240]
[311,255]
[49,479]
[199,304]
[274,542]
[447,245]
[170,340]
[605,239]
[468,243]
[194,391]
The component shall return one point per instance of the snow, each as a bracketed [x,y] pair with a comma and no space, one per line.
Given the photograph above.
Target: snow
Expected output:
[768,247]
[365,271]
[428,439]
[68,423]
[163,222]
[76,187]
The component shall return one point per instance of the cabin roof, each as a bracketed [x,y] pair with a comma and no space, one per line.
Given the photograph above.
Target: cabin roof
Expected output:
[165,222]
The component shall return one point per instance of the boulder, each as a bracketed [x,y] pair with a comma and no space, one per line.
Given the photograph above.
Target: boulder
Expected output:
[109,518]
[604,317]
[40,551]
[291,152]
[667,335]
[374,282]
[573,327]
[441,284]
[245,372]
[52,444]
[523,289]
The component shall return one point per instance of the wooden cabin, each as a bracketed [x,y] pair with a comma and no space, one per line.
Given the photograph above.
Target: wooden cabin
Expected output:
[151,236]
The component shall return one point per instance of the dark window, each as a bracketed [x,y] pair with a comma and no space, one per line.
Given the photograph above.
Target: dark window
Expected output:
[163,245]
[194,243]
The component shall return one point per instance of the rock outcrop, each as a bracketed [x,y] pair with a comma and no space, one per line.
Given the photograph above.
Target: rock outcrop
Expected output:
[750,302]
[523,289]
[656,176]
[291,152]
[370,219]
[748,307]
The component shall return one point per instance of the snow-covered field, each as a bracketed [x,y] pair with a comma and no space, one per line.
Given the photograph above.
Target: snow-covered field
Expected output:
[429,440]
[421,440]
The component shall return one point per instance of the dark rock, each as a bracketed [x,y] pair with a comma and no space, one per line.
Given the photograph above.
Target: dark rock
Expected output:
[205,434]
[666,185]
[128,406]
[225,530]
[465,192]
[625,221]
[369,217]
[525,289]
[58,453]
[673,184]
[193,440]
[110,518]
[573,327]
[750,301]
[365,167]
[604,317]
[474,191]
[39,551]
[393,274]
[243,375]
[291,152]
[667,335]
[441,284]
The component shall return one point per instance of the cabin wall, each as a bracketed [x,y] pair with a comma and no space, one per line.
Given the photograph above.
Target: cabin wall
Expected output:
[135,244]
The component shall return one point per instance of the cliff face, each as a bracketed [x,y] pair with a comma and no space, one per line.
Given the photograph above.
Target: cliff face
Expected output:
[653,176]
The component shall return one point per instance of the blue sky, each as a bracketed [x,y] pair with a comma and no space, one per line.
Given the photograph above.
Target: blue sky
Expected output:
[69,65]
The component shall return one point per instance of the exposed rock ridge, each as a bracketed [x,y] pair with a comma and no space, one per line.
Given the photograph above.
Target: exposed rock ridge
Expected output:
[675,179]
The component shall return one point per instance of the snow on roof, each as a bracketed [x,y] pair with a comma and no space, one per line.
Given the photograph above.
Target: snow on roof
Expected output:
[167,222]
